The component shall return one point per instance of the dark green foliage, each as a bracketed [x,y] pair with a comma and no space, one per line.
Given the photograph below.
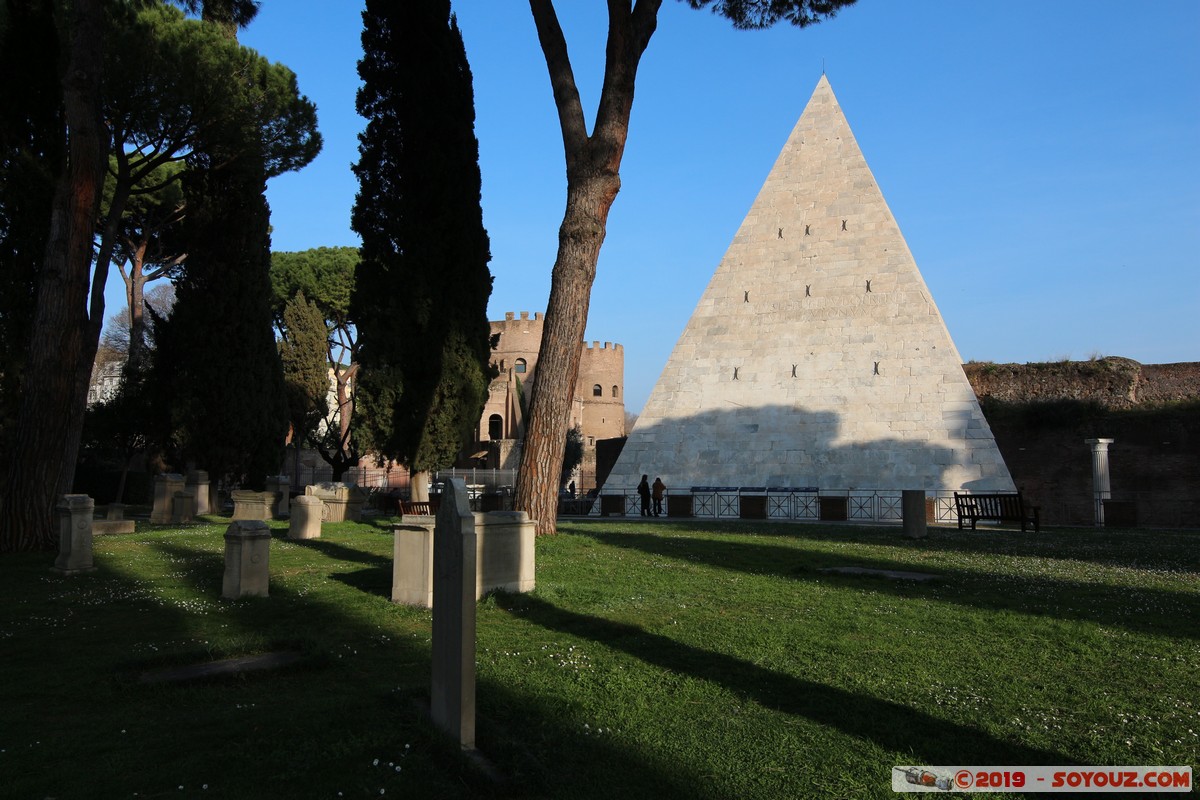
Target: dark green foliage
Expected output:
[420,297]
[324,274]
[305,365]
[573,454]
[31,148]
[216,354]
[754,14]
[217,361]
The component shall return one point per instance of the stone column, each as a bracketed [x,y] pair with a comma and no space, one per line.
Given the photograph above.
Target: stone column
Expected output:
[75,535]
[306,518]
[165,487]
[197,484]
[912,511]
[247,559]
[452,689]
[1101,486]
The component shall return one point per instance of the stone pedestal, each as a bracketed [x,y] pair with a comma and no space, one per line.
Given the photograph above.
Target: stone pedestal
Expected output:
[248,505]
[1101,485]
[306,518]
[247,559]
[412,565]
[75,535]
[280,486]
[342,502]
[452,687]
[197,484]
[183,510]
[504,552]
[165,487]
[504,556]
[914,513]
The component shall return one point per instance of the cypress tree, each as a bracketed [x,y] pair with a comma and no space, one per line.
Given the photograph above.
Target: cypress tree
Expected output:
[216,354]
[422,286]
[217,357]
[304,352]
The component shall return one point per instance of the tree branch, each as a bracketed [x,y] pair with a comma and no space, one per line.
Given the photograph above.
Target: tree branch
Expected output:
[629,33]
[562,80]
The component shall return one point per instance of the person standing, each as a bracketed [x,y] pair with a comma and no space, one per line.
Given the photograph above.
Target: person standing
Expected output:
[643,491]
[656,491]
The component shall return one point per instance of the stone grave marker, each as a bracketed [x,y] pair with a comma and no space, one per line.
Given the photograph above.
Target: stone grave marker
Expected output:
[75,535]
[306,518]
[247,559]
[452,688]
[183,510]
[197,483]
[280,486]
[912,512]
[165,487]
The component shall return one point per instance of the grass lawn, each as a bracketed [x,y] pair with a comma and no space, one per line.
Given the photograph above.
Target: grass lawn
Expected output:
[655,660]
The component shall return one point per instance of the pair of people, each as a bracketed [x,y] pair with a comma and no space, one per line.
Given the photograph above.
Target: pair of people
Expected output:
[646,492]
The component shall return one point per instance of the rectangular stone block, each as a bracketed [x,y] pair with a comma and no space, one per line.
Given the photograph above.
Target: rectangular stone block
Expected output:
[247,560]
[250,505]
[412,564]
[75,513]
[165,487]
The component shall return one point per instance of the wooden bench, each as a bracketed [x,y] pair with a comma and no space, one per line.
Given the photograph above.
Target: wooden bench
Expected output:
[995,507]
[419,507]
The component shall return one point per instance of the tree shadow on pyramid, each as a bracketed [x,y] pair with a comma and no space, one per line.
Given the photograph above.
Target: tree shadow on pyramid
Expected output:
[791,446]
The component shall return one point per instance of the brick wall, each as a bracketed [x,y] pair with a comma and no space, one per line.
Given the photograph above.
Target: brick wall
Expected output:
[1041,414]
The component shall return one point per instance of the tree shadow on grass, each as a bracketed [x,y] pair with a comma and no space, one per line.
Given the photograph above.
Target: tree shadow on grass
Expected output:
[1173,551]
[889,725]
[341,552]
[1141,610]
[374,580]
[536,744]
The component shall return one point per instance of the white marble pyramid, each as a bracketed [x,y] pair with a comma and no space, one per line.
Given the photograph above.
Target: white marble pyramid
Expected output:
[816,356]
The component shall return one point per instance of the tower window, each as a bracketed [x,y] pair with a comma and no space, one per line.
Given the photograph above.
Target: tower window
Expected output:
[614,390]
[597,391]
[519,366]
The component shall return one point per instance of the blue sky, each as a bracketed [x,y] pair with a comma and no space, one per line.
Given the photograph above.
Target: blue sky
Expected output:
[1041,159]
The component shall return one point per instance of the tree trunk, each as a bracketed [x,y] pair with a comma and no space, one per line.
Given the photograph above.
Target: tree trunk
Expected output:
[418,486]
[50,400]
[135,287]
[579,241]
[593,180]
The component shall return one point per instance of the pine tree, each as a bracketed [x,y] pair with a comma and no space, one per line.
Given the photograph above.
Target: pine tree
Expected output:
[420,299]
